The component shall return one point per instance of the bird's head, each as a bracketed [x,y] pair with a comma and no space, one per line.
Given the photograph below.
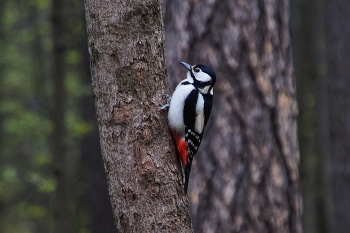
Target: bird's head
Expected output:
[203,76]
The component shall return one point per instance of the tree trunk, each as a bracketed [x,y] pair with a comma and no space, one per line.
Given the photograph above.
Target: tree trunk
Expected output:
[2,65]
[310,69]
[245,175]
[129,78]
[337,14]
[62,217]
[100,209]
[305,71]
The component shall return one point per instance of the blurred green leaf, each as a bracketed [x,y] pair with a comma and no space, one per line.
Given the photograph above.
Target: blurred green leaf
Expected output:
[32,211]
[41,4]
[9,174]
[11,15]
[73,57]
[41,159]
[27,125]
[43,183]
[48,186]
[77,127]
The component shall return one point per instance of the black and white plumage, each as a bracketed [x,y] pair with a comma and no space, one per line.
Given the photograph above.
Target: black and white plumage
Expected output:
[189,111]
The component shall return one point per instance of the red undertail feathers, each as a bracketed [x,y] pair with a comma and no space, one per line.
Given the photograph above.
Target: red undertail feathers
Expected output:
[181,147]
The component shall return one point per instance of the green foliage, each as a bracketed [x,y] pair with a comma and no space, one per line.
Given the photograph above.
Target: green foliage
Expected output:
[41,4]
[27,179]
[32,211]
[73,57]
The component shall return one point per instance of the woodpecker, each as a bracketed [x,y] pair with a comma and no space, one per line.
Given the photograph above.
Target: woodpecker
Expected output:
[189,110]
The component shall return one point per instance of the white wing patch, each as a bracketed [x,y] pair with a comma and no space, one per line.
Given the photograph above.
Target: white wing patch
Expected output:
[199,125]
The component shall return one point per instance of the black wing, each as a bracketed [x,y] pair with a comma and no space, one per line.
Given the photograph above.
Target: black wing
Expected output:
[208,102]
[192,137]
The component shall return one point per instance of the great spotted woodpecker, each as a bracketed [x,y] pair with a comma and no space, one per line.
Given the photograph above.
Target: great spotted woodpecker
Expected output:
[189,111]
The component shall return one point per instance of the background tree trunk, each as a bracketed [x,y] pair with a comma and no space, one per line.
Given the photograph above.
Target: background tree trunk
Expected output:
[129,79]
[2,64]
[337,14]
[308,41]
[245,176]
[62,212]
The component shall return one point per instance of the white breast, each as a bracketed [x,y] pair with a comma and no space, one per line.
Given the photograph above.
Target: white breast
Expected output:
[176,109]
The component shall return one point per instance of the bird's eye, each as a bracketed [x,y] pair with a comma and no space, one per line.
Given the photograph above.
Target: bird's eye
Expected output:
[197,70]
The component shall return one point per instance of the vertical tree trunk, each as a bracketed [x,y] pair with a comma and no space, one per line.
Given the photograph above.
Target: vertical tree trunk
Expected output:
[310,69]
[337,14]
[62,212]
[129,78]
[245,175]
[101,217]
[2,64]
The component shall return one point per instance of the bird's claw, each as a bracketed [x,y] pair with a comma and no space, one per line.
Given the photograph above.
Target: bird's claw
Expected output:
[168,98]
[167,105]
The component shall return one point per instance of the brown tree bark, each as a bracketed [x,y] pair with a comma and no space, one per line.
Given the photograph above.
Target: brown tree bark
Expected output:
[129,78]
[245,175]
[337,14]
[100,209]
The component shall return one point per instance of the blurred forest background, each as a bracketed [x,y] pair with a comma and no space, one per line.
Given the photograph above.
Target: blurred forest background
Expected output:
[51,172]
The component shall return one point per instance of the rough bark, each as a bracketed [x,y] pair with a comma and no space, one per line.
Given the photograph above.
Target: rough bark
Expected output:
[245,175]
[62,216]
[100,209]
[126,46]
[337,14]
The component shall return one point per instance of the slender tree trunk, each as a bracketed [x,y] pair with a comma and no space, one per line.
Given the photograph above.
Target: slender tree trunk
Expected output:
[337,14]
[129,78]
[310,69]
[245,175]
[62,216]
[2,65]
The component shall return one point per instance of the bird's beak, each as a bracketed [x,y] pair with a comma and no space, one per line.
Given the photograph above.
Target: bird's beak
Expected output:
[187,66]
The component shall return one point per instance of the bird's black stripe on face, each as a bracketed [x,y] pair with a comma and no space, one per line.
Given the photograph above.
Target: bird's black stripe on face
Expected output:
[192,75]
[186,83]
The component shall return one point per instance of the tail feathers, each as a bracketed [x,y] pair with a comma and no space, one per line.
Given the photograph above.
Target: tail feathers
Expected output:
[187,177]
[181,147]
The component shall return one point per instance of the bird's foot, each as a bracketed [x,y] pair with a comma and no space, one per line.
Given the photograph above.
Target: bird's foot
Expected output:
[167,105]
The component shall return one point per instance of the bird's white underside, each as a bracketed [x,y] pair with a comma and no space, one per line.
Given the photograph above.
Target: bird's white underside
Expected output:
[177,103]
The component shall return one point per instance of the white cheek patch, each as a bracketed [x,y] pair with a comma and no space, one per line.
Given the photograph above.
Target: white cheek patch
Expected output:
[202,77]
[199,125]
[204,90]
